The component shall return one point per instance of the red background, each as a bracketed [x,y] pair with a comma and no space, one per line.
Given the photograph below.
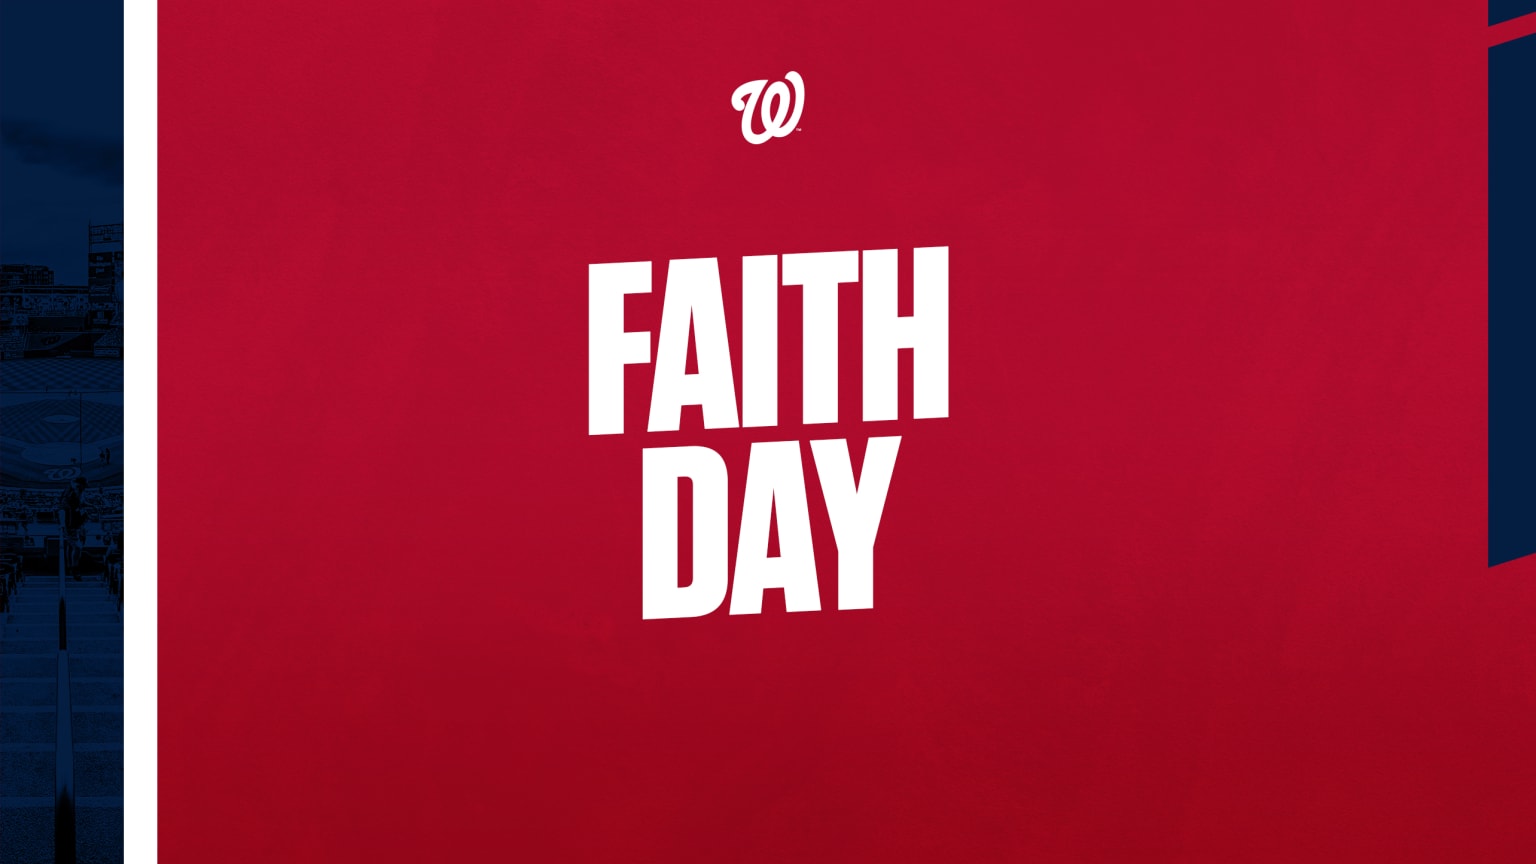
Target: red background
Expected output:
[1194,570]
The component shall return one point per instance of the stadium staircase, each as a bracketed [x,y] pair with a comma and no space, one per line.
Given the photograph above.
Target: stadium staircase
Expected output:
[30,764]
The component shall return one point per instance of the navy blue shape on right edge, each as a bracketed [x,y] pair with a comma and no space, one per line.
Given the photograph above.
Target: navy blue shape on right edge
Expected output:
[1503,10]
[1511,299]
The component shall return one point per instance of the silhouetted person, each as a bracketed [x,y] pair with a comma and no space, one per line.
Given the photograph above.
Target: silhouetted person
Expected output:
[72,510]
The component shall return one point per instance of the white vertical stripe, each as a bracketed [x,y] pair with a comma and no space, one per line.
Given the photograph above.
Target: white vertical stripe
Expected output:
[140,469]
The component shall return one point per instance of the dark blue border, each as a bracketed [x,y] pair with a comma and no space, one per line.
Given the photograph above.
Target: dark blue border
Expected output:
[1511,298]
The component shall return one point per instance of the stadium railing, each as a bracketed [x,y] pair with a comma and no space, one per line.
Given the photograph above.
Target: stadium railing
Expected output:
[64,744]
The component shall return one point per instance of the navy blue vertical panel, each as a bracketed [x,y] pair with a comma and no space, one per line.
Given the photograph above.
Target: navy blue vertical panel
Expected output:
[61,399]
[1503,10]
[1512,300]
[61,131]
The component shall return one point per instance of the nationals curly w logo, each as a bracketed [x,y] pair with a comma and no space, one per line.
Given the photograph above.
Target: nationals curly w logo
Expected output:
[777,119]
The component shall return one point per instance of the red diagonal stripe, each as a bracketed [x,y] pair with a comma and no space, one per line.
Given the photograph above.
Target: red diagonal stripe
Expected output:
[1514,28]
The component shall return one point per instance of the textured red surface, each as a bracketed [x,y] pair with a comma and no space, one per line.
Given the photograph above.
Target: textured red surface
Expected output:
[1193,572]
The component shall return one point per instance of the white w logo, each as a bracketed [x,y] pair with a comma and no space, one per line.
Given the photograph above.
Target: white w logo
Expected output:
[777,119]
